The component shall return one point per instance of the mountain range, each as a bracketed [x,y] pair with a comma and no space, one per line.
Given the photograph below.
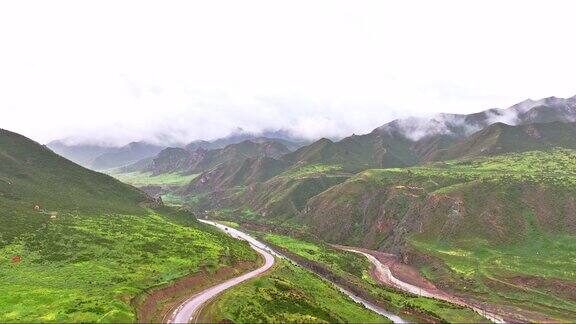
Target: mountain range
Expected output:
[105,157]
[485,209]
[80,246]
[545,123]
[482,205]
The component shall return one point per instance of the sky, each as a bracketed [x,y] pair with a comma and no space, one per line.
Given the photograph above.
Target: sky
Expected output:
[175,71]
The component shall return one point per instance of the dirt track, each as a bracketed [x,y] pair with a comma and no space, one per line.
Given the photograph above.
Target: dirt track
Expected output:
[412,282]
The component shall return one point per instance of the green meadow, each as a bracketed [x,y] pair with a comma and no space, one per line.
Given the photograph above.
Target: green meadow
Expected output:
[288,294]
[146,178]
[87,268]
[537,274]
[355,268]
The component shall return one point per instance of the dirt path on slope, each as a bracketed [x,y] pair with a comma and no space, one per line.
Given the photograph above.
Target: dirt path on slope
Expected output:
[388,271]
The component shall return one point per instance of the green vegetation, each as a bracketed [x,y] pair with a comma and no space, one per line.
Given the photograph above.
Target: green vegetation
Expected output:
[310,169]
[146,178]
[556,167]
[288,294]
[78,246]
[515,245]
[178,200]
[530,275]
[229,224]
[355,268]
[86,268]
[506,223]
[339,261]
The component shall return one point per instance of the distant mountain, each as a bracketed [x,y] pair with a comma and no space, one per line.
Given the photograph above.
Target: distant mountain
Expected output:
[125,155]
[500,138]
[306,183]
[410,141]
[185,161]
[83,154]
[291,142]
[413,141]
[99,157]
[237,173]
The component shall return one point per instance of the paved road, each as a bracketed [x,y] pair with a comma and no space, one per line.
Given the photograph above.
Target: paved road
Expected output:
[188,310]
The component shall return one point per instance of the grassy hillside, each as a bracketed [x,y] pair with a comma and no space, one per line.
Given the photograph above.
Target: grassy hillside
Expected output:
[184,161]
[237,173]
[287,294]
[355,268]
[140,179]
[357,153]
[500,229]
[285,195]
[486,197]
[76,245]
[501,138]
[496,228]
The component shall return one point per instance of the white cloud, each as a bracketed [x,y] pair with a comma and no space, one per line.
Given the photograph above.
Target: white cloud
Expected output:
[127,70]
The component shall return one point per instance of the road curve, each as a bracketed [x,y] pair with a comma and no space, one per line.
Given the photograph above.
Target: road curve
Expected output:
[385,276]
[190,308]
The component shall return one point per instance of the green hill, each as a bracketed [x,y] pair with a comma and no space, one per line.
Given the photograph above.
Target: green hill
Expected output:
[184,161]
[412,141]
[237,173]
[499,229]
[501,138]
[76,245]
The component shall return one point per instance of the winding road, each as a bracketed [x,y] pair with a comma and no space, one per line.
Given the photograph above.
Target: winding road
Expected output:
[188,310]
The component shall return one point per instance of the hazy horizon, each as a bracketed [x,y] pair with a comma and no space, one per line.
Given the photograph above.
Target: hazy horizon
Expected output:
[110,72]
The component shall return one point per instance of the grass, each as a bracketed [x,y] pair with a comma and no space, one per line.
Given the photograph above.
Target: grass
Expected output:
[105,246]
[146,178]
[488,271]
[229,224]
[288,294]
[356,269]
[339,261]
[86,268]
[556,167]
[310,170]
[528,256]
[510,242]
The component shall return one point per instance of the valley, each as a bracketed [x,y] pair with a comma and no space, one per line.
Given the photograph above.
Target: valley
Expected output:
[79,246]
[457,226]
[471,212]
[300,309]
[329,161]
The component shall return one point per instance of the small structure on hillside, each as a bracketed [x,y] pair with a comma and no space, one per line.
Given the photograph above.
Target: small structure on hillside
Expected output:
[37,207]
[16,259]
[53,215]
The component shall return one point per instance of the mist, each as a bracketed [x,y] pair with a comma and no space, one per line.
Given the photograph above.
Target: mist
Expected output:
[111,73]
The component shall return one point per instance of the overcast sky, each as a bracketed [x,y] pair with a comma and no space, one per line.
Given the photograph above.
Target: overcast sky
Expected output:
[117,71]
